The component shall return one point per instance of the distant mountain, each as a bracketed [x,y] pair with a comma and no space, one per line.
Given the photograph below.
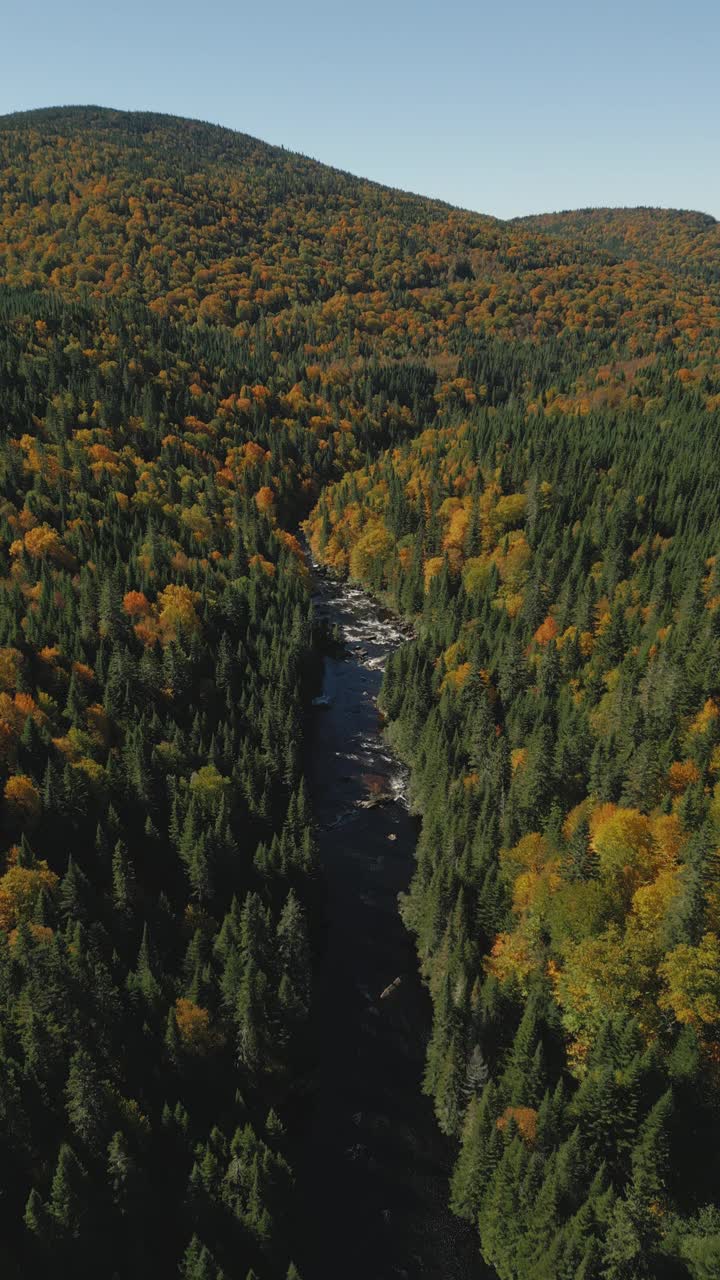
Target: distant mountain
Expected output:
[202,222]
[685,240]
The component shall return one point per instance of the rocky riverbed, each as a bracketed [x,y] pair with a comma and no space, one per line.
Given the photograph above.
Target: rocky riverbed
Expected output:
[374,1176]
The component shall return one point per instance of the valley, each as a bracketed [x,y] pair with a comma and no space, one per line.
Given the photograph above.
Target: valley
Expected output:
[257,1020]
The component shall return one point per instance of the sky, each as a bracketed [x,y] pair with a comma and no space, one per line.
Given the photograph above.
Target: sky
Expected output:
[506,107]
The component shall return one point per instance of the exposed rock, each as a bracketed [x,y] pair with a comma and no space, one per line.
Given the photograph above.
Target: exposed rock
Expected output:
[374,802]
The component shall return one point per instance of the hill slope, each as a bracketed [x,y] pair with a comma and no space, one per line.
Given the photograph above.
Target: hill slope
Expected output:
[199,221]
[685,241]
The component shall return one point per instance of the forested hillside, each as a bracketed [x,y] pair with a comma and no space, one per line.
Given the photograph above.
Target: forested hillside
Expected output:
[681,240]
[508,430]
[561,711]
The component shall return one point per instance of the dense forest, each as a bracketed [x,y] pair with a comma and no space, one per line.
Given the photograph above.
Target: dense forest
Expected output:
[507,431]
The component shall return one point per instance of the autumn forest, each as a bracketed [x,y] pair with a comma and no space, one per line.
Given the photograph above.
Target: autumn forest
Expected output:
[225,368]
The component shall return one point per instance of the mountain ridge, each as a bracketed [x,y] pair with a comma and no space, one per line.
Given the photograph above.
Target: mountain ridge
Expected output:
[58,112]
[202,223]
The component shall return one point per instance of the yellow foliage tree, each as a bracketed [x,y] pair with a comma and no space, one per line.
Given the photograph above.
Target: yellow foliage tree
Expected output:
[193,1023]
[178,618]
[19,890]
[371,550]
[22,799]
[623,843]
[10,660]
[44,542]
[692,982]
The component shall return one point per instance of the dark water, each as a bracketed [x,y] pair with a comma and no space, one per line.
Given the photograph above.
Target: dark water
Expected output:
[373,1183]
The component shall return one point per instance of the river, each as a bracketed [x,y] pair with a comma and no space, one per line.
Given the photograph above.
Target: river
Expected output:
[373,1183]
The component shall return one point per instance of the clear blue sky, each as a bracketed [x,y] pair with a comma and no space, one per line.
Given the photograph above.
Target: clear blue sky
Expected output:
[507,108]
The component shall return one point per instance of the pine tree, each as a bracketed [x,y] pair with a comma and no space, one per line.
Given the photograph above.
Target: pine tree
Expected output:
[68,1196]
[250,1018]
[123,875]
[86,1106]
[478,1156]
[122,1174]
[476,1074]
[36,1217]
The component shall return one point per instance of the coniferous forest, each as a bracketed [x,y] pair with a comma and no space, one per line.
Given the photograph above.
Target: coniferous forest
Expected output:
[507,432]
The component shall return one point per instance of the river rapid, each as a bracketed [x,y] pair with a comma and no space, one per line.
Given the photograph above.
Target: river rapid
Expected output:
[373,1181]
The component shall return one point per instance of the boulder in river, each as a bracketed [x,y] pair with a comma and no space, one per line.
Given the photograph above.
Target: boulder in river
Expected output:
[374,802]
